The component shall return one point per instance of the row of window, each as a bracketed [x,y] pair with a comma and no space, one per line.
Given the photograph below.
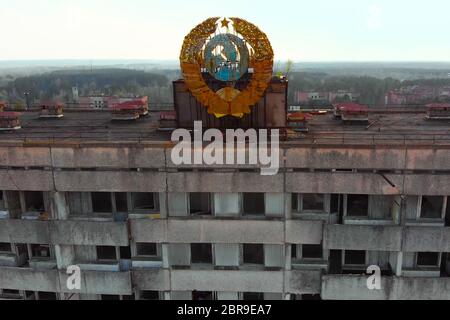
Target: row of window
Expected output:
[203,253]
[156,295]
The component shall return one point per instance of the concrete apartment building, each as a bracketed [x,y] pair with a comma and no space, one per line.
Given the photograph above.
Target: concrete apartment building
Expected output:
[105,196]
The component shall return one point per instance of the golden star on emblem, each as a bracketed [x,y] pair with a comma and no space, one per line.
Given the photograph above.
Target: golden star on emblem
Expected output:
[224,23]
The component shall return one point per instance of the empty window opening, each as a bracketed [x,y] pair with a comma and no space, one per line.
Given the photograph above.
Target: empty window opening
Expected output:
[294,251]
[447,213]
[40,251]
[312,251]
[110,297]
[253,203]
[253,253]
[5,247]
[149,295]
[143,201]
[7,293]
[47,295]
[428,259]
[355,257]
[202,295]
[201,253]
[313,202]
[106,253]
[125,253]
[357,205]
[101,202]
[311,297]
[146,249]
[294,202]
[335,203]
[200,203]
[128,297]
[121,202]
[432,207]
[34,201]
[252,296]
[2,201]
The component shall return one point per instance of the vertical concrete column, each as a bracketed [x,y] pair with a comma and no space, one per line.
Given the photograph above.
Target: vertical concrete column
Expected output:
[288,257]
[64,254]
[399,267]
[59,205]
[165,255]
[163,205]
[288,206]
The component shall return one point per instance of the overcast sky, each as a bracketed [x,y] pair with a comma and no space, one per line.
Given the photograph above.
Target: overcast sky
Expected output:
[314,30]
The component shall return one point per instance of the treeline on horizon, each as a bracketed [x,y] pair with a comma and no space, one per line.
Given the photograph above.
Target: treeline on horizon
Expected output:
[158,84]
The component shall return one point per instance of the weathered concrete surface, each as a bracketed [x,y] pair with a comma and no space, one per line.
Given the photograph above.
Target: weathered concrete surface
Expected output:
[304,232]
[353,287]
[224,182]
[150,231]
[233,281]
[64,232]
[170,164]
[25,157]
[24,231]
[342,287]
[303,281]
[108,157]
[29,279]
[345,158]
[152,280]
[373,238]
[427,159]
[29,180]
[95,282]
[427,184]
[89,233]
[344,183]
[110,181]
[426,239]
[208,231]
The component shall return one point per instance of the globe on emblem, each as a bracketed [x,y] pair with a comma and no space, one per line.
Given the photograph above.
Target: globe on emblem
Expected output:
[226,57]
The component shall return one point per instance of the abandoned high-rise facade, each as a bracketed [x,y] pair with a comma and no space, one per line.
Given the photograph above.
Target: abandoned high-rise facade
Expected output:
[361,188]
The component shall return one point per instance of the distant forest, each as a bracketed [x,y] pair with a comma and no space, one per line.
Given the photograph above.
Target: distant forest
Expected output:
[157,84]
[119,82]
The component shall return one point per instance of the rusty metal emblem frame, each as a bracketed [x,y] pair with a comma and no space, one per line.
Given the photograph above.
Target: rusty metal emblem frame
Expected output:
[227,101]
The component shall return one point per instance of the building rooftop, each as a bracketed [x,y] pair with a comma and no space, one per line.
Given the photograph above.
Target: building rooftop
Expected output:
[398,127]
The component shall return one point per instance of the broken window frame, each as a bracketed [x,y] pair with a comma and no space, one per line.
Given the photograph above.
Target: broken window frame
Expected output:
[3,205]
[140,210]
[209,205]
[351,265]
[10,247]
[212,262]
[242,253]
[110,202]
[297,255]
[32,247]
[437,265]
[253,214]
[116,253]
[159,293]
[26,207]
[346,207]
[137,255]
[420,208]
[298,199]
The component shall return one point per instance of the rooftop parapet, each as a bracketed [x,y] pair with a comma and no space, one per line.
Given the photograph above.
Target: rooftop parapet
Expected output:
[9,121]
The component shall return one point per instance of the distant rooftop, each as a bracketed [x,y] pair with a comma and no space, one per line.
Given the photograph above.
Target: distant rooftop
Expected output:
[385,127]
